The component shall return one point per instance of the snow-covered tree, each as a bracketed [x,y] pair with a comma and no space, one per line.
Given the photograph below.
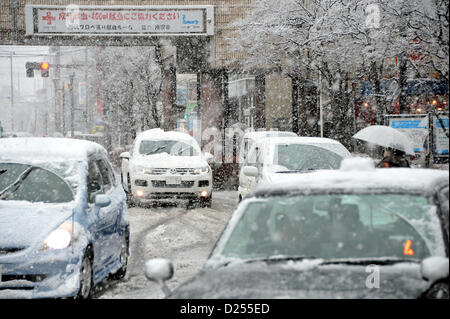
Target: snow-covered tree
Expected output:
[347,42]
[131,82]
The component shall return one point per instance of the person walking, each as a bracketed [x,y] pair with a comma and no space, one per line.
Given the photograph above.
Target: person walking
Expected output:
[394,158]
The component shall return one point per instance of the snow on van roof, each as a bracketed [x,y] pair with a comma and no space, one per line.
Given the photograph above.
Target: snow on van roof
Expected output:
[262,134]
[47,149]
[327,143]
[297,140]
[156,134]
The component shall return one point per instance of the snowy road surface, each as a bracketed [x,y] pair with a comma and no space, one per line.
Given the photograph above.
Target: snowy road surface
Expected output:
[185,236]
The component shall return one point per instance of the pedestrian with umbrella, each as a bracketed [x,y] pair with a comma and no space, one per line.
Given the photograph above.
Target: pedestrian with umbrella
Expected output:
[397,145]
[393,158]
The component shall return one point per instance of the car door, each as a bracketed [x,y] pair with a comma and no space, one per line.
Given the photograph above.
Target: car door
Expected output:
[253,159]
[109,216]
[115,193]
[104,225]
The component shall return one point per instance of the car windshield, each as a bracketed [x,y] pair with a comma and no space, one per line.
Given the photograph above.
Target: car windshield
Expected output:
[33,184]
[172,147]
[299,157]
[335,227]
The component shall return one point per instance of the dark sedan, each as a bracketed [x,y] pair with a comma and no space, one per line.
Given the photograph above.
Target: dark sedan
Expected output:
[370,233]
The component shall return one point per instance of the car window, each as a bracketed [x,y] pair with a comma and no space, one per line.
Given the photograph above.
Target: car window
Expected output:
[172,147]
[337,226]
[95,182]
[106,175]
[33,184]
[305,157]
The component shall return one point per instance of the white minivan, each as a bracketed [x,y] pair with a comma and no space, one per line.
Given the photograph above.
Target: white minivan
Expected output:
[278,159]
[250,138]
[166,167]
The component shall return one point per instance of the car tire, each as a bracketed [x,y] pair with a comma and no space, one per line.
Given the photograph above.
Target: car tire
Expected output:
[86,278]
[124,255]
[206,202]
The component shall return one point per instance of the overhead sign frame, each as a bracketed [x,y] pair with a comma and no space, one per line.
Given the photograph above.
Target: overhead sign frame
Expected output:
[119,21]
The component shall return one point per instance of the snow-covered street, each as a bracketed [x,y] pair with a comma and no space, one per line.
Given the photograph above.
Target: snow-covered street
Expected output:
[185,236]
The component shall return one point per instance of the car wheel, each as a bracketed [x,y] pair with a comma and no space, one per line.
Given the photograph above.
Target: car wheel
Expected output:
[86,282]
[240,198]
[206,202]
[124,254]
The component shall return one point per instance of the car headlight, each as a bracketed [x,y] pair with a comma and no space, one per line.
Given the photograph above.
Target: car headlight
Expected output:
[201,170]
[141,170]
[60,238]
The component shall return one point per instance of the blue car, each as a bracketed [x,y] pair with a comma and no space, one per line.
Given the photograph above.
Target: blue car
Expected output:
[64,225]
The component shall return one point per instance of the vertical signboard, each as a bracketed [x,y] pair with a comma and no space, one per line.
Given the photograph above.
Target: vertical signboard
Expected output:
[440,126]
[415,127]
[82,87]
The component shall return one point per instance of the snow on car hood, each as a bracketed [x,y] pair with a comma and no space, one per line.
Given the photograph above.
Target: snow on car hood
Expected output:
[23,224]
[165,160]
[292,280]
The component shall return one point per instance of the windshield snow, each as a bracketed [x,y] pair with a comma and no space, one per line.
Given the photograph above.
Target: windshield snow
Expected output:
[305,157]
[172,147]
[33,184]
[336,226]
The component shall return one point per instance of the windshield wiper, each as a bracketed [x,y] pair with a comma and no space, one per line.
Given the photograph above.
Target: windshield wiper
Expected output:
[270,259]
[3,171]
[156,149]
[182,151]
[303,170]
[14,186]
[369,261]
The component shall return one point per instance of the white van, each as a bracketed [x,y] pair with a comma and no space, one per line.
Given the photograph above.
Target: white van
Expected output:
[250,138]
[280,159]
[166,166]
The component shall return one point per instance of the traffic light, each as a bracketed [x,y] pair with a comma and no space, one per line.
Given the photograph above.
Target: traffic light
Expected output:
[45,68]
[31,66]
[30,73]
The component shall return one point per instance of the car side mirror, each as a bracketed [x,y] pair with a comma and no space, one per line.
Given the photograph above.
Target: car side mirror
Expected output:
[102,200]
[159,270]
[208,157]
[251,171]
[434,269]
[126,155]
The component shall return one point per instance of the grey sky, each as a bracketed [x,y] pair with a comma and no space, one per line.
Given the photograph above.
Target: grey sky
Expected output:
[22,54]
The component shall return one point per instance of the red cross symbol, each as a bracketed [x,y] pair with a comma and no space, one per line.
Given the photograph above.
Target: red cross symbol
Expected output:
[49,18]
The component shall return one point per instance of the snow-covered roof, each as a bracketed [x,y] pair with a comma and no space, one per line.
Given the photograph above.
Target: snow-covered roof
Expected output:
[159,134]
[412,180]
[42,149]
[262,134]
[327,143]
[298,140]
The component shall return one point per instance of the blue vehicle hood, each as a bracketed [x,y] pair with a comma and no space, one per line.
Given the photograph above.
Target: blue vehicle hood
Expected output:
[23,224]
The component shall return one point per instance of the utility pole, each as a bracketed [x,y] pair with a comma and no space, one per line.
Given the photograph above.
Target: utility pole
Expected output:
[12,92]
[72,106]
[320,104]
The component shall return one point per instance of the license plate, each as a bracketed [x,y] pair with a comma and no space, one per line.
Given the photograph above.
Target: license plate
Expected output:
[173,180]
